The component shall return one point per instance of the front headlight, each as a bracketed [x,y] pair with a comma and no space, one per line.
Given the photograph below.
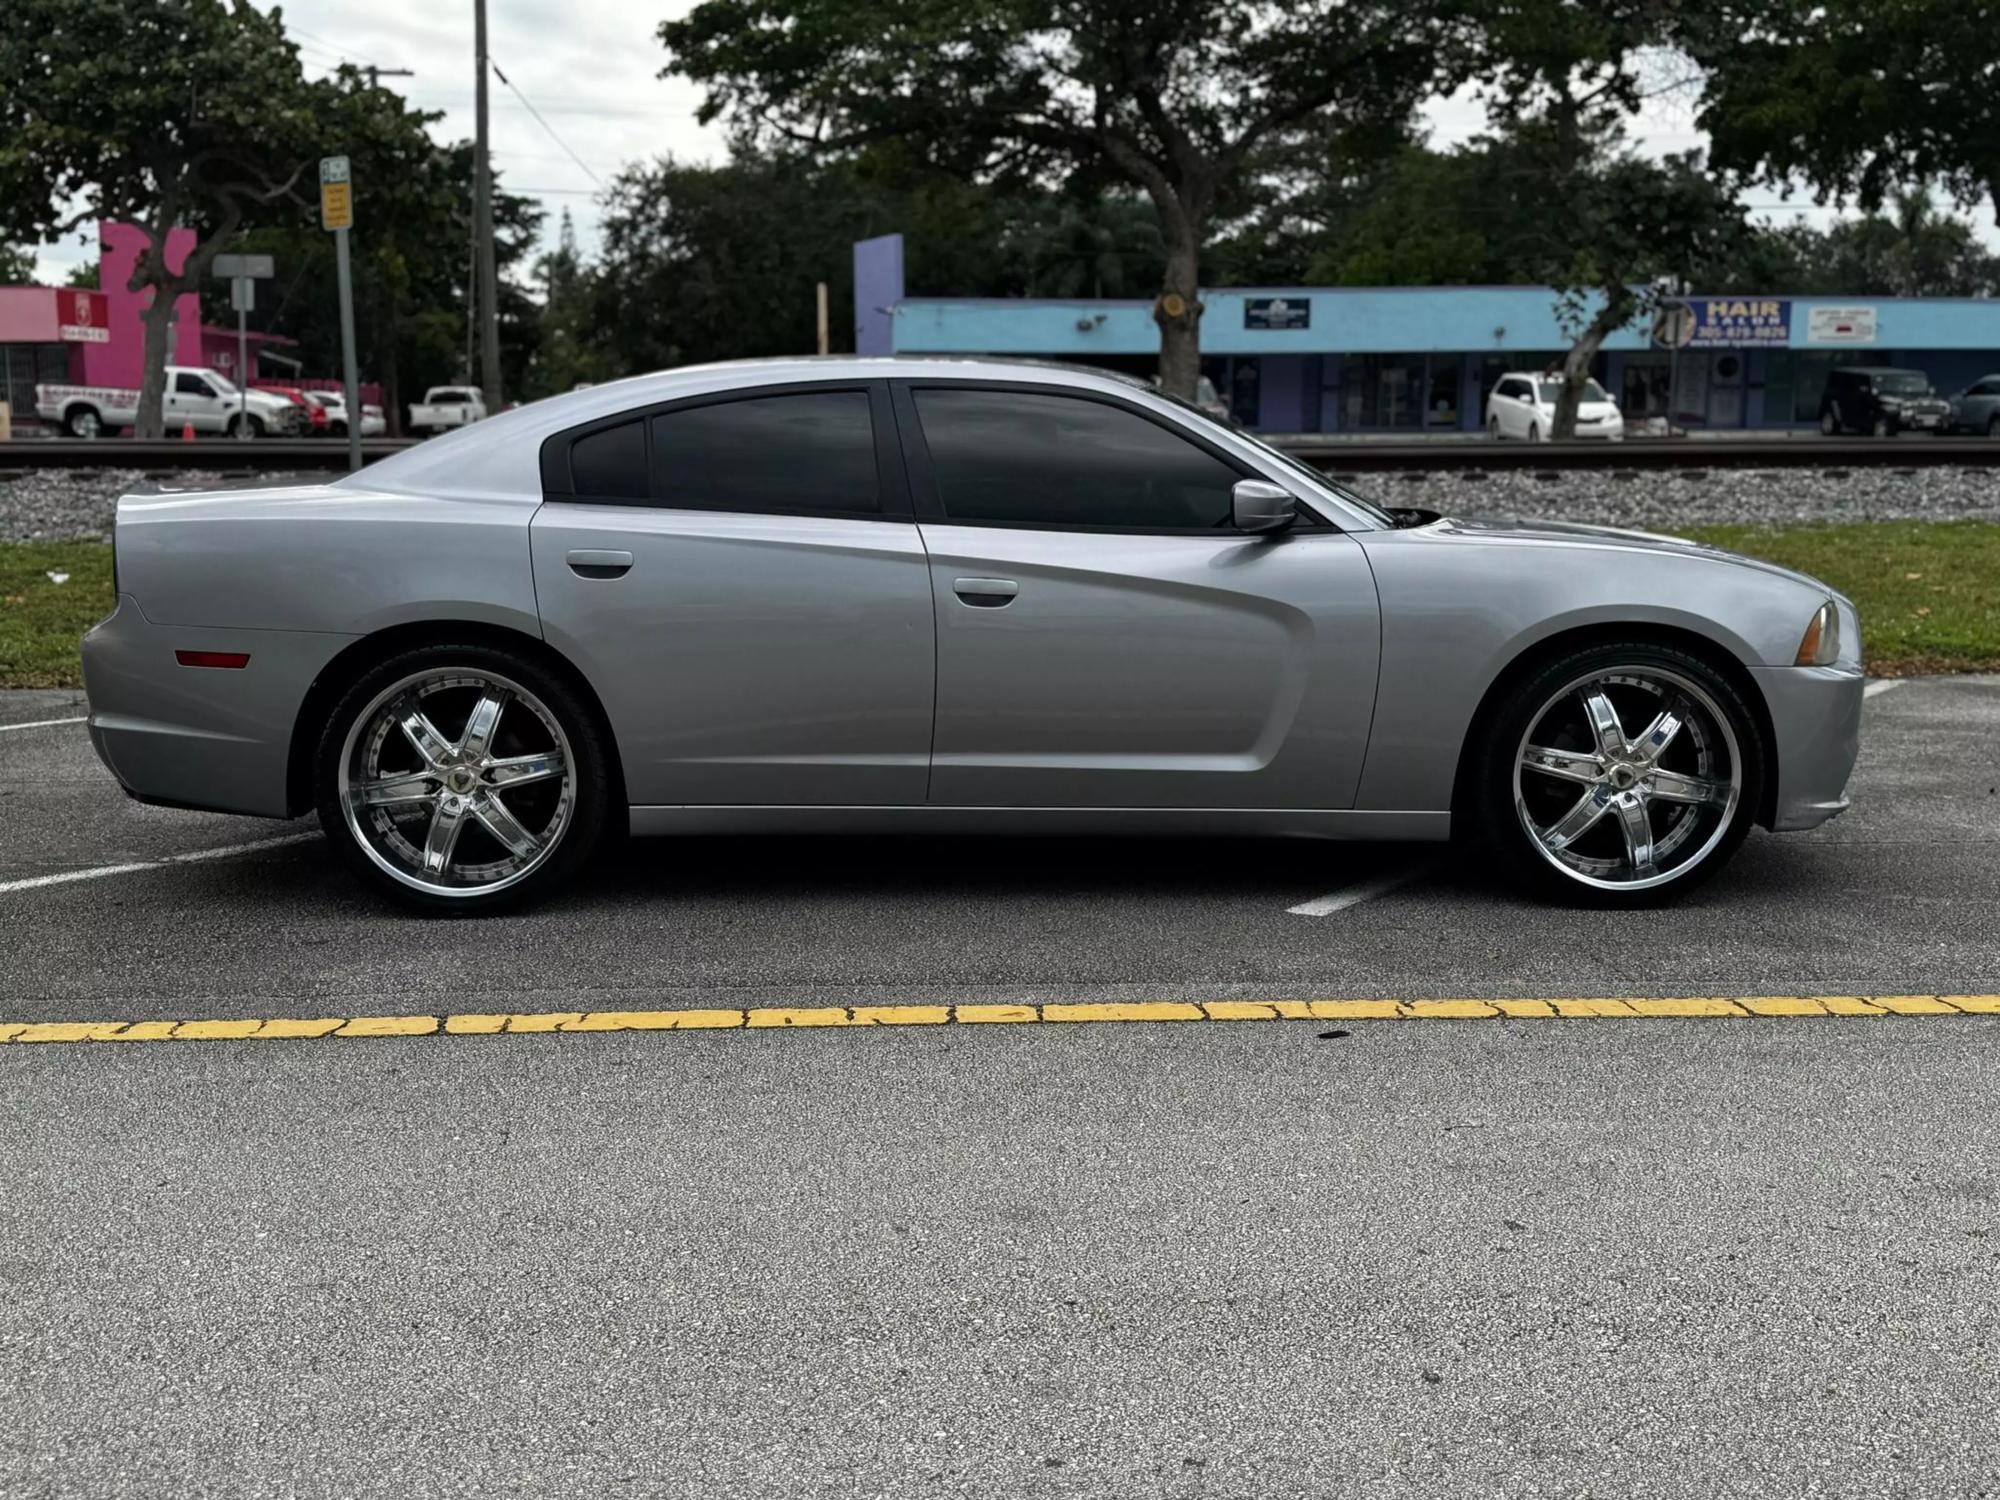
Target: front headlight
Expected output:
[1821,644]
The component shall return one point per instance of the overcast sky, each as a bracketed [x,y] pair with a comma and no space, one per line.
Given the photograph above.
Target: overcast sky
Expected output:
[590,67]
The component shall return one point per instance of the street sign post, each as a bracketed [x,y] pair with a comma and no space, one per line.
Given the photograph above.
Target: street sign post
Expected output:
[336,213]
[243,272]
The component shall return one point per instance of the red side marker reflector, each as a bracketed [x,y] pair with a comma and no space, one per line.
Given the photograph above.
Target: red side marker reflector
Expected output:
[213,658]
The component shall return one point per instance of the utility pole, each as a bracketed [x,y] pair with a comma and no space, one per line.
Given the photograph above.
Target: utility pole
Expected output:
[820,304]
[482,221]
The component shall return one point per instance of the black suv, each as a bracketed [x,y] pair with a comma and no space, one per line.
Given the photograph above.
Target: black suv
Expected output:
[1881,401]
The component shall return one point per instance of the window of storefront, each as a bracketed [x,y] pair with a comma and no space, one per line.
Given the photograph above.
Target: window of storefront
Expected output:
[1441,397]
[1382,391]
[25,366]
[1795,380]
[1646,386]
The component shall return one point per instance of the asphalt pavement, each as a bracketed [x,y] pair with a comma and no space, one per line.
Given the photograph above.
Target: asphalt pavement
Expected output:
[1433,1258]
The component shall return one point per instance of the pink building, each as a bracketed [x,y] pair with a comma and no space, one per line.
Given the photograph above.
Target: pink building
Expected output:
[51,335]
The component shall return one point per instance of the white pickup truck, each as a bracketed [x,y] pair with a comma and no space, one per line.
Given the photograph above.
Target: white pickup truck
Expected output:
[446,406]
[205,400]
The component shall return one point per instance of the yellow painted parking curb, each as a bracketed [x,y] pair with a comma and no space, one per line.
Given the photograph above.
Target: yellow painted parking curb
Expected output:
[1098,1012]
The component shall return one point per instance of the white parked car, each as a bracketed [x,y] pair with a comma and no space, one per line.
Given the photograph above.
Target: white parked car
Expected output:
[448,406]
[334,404]
[1523,405]
[206,400]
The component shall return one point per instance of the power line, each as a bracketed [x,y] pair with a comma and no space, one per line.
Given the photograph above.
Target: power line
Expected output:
[544,123]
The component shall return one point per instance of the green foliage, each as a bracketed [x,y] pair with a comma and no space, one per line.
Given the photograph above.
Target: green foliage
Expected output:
[17,265]
[187,112]
[1173,99]
[1855,97]
[719,262]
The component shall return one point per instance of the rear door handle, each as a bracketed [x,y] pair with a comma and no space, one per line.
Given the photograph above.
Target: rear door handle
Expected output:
[985,593]
[589,562]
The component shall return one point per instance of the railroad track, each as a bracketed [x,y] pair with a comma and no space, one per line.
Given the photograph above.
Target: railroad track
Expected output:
[281,455]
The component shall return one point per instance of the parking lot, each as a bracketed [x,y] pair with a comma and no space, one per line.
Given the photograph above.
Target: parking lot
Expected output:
[1553,1256]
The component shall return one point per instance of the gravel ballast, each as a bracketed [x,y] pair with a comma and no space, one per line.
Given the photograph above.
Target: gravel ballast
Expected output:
[77,504]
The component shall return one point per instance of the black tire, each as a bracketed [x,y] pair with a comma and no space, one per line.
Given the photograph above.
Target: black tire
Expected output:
[79,421]
[1534,432]
[589,787]
[1493,428]
[1883,428]
[1993,427]
[1829,422]
[239,422]
[1498,819]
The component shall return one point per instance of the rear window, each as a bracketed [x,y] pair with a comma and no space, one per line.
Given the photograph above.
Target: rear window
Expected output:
[611,464]
[807,453]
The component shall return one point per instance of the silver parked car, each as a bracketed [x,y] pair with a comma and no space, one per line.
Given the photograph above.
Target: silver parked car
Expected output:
[1977,407]
[944,595]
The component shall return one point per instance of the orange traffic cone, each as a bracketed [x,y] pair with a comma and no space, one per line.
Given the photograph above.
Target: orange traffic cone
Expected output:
[187,432]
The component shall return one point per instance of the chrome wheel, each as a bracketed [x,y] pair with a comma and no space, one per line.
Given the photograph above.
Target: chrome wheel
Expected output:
[86,424]
[1628,777]
[456,782]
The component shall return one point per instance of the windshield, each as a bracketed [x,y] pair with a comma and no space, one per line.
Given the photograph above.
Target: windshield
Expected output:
[221,382]
[1552,391]
[1903,383]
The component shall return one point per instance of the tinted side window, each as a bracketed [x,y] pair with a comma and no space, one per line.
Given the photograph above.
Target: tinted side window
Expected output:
[810,452]
[1983,388]
[192,385]
[1018,459]
[611,463]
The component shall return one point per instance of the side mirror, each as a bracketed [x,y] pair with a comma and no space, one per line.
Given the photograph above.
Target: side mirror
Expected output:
[1259,505]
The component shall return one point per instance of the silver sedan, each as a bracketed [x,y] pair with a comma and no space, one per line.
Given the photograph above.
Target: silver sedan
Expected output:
[945,595]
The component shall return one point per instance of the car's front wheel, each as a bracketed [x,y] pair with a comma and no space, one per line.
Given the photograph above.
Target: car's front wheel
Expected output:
[462,778]
[1829,422]
[1618,775]
[241,426]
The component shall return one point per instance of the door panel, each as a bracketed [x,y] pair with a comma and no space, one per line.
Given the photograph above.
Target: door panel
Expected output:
[747,658]
[1129,670]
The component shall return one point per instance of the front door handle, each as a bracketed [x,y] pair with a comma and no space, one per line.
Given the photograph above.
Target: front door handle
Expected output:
[590,562]
[985,593]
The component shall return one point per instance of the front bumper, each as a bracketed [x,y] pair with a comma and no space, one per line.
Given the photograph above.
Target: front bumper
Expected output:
[217,739]
[1816,720]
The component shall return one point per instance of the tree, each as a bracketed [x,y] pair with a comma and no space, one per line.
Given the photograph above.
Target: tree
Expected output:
[1564,81]
[1173,97]
[410,251]
[163,112]
[1857,98]
[17,264]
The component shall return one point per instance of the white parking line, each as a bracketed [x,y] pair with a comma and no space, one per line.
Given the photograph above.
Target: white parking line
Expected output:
[41,723]
[98,872]
[1881,685]
[1354,895]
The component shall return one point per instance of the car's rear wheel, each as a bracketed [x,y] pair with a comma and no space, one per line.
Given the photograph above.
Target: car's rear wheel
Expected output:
[462,778]
[1618,775]
[84,422]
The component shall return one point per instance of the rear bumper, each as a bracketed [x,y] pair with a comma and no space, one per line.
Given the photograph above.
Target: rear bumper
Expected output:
[199,737]
[1816,717]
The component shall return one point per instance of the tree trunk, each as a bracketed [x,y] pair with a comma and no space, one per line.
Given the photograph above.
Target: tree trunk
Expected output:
[158,321]
[1576,366]
[1178,309]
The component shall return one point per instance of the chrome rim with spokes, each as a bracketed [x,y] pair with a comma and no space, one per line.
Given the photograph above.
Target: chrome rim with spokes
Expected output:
[1628,777]
[457,781]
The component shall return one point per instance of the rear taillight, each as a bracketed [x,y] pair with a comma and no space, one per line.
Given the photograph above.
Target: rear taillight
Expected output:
[213,658]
